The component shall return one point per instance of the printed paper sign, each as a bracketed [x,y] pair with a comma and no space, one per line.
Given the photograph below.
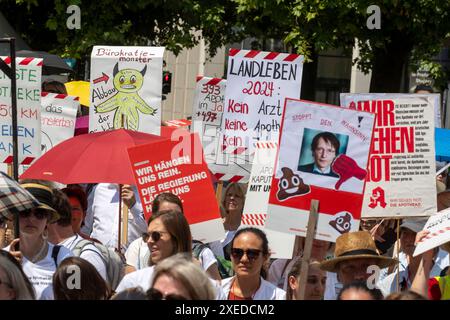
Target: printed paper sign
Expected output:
[401,180]
[28,75]
[126,86]
[439,227]
[323,155]
[176,167]
[207,115]
[58,117]
[257,199]
[257,84]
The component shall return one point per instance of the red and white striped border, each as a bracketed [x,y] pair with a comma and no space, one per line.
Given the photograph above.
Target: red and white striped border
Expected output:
[228,177]
[60,96]
[25,161]
[264,55]
[254,219]
[436,233]
[30,61]
[266,145]
[210,81]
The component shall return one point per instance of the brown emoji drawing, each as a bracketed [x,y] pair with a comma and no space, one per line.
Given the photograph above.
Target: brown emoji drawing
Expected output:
[290,185]
[342,223]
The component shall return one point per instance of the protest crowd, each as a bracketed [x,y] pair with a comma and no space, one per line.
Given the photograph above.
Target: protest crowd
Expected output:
[193,234]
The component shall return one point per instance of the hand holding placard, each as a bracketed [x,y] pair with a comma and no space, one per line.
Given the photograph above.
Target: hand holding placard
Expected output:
[347,168]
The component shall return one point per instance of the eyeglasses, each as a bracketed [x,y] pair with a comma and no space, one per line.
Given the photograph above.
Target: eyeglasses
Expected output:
[39,214]
[155,235]
[252,254]
[155,294]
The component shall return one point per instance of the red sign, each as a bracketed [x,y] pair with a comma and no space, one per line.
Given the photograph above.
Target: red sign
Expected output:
[179,167]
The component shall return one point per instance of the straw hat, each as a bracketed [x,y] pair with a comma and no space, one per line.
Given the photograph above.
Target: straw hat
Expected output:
[45,197]
[355,245]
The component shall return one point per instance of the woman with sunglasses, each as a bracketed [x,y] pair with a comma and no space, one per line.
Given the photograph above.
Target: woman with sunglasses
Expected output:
[178,278]
[249,253]
[39,258]
[168,234]
[138,253]
[14,284]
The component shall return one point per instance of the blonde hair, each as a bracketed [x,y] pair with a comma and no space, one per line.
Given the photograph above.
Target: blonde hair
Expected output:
[237,188]
[191,276]
[16,278]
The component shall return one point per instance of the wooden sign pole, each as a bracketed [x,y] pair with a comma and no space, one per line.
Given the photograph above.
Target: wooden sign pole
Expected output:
[312,222]
[123,210]
[219,191]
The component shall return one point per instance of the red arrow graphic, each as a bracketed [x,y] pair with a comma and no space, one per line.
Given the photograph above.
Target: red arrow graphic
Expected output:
[104,77]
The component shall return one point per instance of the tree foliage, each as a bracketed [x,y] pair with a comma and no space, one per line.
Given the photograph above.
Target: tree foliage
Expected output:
[170,23]
[411,30]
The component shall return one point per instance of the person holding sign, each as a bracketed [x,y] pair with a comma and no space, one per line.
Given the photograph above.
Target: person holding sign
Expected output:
[249,253]
[324,148]
[232,208]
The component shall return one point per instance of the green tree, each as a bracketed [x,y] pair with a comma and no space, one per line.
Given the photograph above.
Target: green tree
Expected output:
[411,31]
[170,23]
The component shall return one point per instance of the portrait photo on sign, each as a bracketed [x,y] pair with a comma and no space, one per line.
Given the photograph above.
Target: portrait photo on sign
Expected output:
[318,151]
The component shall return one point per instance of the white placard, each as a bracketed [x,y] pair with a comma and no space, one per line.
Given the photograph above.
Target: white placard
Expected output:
[257,200]
[402,165]
[439,227]
[258,83]
[28,75]
[324,151]
[126,81]
[58,117]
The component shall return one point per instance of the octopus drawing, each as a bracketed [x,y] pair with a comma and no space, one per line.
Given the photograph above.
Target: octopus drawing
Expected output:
[127,101]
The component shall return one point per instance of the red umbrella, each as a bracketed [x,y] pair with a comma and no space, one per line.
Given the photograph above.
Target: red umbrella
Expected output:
[90,158]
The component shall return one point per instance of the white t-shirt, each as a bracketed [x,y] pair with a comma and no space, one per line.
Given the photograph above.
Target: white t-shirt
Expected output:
[140,278]
[207,258]
[90,253]
[137,254]
[266,290]
[102,215]
[40,273]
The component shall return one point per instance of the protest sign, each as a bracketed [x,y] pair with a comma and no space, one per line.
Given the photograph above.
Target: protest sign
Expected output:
[257,83]
[207,112]
[178,167]
[58,117]
[439,227]
[323,156]
[126,82]
[28,75]
[257,199]
[401,180]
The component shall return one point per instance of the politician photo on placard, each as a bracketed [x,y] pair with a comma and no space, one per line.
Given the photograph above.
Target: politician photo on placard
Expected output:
[319,149]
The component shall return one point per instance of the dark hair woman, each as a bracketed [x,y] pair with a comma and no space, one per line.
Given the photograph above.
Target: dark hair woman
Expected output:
[249,253]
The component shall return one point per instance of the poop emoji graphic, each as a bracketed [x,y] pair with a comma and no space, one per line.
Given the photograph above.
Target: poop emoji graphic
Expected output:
[342,223]
[291,185]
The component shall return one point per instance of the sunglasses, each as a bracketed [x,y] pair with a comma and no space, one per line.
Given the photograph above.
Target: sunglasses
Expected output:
[155,294]
[39,214]
[252,254]
[155,235]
